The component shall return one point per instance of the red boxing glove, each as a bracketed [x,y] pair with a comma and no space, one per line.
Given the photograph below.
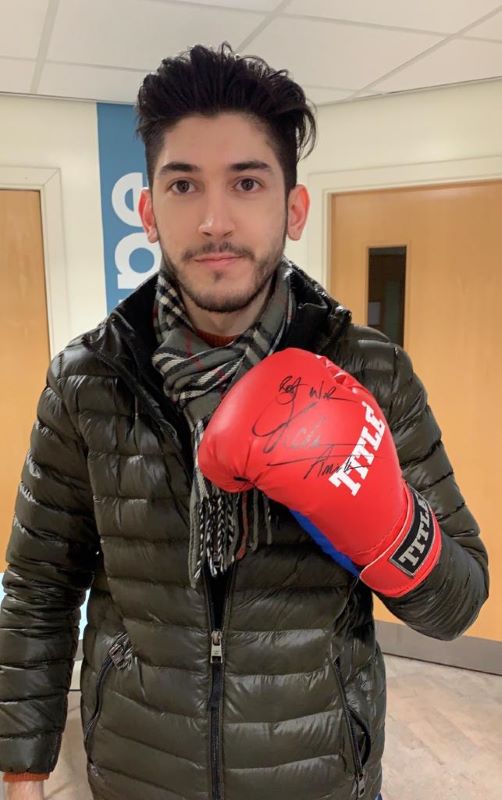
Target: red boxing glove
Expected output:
[311,437]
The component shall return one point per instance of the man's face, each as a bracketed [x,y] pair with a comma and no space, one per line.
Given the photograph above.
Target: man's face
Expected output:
[219,210]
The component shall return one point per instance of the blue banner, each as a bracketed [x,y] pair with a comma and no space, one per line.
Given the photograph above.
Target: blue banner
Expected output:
[129,256]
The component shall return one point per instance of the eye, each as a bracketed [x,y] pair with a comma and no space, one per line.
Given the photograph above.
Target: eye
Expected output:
[248,184]
[181,187]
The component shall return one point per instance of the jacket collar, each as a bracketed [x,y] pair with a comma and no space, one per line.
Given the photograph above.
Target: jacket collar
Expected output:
[125,340]
[319,320]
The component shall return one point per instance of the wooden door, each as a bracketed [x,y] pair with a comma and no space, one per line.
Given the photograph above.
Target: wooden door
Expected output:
[24,345]
[452,331]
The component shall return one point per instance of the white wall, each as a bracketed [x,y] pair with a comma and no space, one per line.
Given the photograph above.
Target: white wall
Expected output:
[378,134]
[35,132]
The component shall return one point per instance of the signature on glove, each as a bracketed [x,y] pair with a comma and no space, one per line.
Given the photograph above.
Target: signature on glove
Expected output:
[291,392]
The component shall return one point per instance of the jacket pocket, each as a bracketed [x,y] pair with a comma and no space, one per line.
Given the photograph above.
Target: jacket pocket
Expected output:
[119,656]
[359,735]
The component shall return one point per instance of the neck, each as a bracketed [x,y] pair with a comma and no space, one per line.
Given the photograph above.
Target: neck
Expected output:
[228,323]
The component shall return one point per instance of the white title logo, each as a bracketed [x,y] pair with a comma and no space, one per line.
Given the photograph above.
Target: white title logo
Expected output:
[343,476]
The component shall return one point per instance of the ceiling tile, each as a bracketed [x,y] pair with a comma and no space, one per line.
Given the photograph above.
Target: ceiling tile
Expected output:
[491,29]
[139,34]
[244,5]
[21,27]
[16,75]
[344,55]
[459,60]
[446,16]
[90,83]
[323,96]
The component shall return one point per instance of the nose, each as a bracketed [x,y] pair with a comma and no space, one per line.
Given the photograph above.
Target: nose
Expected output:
[217,221]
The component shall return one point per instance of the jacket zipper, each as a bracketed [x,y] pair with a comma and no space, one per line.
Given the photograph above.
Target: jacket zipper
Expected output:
[216,659]
[118,656]
[358,765]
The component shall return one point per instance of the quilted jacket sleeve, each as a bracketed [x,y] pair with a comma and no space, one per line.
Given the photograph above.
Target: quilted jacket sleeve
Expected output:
[449,600]
[51,556]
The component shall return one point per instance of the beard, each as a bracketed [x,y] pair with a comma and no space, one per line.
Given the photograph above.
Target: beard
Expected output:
[209,298]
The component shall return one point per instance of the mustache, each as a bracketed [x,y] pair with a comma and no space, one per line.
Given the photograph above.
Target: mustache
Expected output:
[210,249]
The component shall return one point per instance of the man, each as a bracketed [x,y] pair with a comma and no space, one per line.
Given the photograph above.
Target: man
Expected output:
[230,464]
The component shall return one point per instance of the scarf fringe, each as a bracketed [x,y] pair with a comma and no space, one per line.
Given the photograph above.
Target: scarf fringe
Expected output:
[220,527]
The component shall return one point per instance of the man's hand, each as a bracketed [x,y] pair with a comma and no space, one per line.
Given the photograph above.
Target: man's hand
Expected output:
[24,790]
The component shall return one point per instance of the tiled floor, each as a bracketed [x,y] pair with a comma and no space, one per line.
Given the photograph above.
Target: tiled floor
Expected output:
[444,737]
[444,733]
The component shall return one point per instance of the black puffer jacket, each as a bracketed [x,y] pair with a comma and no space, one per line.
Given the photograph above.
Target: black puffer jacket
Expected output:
[289,700]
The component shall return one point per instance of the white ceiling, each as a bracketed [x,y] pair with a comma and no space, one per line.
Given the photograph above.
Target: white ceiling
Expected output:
[337,49]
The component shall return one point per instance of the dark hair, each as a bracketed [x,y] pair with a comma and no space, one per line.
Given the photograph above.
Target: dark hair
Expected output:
[207,82]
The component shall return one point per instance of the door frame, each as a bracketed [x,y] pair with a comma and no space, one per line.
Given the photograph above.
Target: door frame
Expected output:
[47,180]
[322,185]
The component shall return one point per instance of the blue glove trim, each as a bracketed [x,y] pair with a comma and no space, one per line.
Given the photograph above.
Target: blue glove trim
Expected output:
[326,545]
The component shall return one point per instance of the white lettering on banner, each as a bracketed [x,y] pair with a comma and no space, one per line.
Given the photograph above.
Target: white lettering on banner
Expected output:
[131,182]
[128,277]
[414,551]
[342,477]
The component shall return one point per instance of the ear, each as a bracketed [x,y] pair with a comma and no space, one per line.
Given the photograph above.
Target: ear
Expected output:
[298,209]
[145,209]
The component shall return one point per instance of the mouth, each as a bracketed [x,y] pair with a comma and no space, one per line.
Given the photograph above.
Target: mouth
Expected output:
[217,260]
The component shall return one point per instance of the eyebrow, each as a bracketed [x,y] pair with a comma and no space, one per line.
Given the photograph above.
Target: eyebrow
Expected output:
[240,166]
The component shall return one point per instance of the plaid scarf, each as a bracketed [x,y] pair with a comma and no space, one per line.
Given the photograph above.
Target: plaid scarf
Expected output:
[196,377]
